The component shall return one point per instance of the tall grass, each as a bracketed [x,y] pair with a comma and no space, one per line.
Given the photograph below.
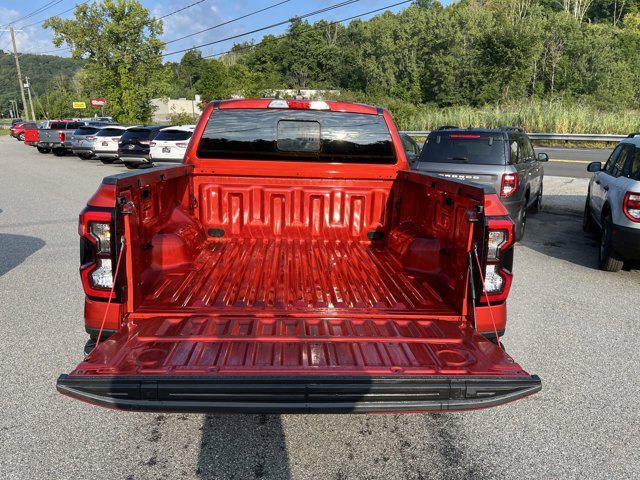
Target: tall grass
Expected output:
[552,116]
[533,116]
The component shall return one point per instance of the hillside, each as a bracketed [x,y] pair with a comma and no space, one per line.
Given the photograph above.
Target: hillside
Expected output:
[41,69]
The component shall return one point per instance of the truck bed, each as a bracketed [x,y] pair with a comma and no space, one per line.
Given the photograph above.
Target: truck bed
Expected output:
[290,274]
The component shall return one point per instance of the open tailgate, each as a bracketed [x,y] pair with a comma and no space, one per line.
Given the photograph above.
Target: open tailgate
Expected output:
[284,364]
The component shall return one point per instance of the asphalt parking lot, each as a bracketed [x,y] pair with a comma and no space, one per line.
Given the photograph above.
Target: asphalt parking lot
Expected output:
[576,327]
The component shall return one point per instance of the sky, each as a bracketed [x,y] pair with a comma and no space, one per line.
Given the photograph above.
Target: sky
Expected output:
[206,13]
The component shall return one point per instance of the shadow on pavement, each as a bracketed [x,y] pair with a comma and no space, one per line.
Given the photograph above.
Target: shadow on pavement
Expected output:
[561,236]
[15,249]
[243,447]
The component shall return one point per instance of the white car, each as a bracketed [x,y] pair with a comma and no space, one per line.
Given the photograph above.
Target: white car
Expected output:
[171,143]
[105,144]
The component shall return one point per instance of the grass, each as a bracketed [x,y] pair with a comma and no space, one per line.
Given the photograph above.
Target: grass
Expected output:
[548,116]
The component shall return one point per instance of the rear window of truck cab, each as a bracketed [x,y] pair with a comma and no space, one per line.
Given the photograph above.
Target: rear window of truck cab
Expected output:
[464,147]
[297,135]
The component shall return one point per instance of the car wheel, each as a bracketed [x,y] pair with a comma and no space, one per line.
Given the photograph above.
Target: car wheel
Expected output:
[107,161]
[522,223]
[588,225]
[537,205]
[44,150]
[21,137]
[85,156]
[59,152]
[609,261]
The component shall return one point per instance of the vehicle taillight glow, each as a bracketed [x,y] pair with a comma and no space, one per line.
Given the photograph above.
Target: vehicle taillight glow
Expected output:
[62,136]
[497,274]
[463,135]
[632,206]
[96,271]
[509,184]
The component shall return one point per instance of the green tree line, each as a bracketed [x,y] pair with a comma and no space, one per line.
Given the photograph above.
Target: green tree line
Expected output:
[536,62]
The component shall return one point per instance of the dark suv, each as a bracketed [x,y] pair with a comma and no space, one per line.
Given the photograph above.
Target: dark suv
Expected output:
[501,157]
[134,145]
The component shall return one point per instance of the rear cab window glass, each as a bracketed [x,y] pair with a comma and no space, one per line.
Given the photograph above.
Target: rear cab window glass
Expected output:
[173,135]
[464,147]
[297,135]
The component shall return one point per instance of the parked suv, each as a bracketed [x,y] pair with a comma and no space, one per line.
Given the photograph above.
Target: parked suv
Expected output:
[105,145]
[171,144]
[134,146]
[501,157]
[613,205]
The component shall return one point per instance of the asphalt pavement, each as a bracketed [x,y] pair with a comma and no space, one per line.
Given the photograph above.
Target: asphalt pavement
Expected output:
[572,162]
[573,325]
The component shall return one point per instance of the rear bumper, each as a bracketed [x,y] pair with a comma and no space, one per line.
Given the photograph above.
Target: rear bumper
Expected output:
[105,154]
[132,158]
[198,394]
[77,149]
[626,241]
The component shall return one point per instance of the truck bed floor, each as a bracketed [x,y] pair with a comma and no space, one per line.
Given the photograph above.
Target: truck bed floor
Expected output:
[288,274]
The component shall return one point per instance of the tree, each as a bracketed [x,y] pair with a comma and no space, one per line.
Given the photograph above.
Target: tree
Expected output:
[118,40]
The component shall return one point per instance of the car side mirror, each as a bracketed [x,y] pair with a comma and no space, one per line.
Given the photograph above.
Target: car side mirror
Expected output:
[543,157]
[594,167]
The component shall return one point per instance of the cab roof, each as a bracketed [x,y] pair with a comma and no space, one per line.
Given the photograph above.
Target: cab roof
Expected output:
[264,103]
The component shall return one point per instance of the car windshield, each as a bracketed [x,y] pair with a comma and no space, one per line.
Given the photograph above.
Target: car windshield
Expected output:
[297,135]
[174,135]
[136,134]
[110,132]
[464,147]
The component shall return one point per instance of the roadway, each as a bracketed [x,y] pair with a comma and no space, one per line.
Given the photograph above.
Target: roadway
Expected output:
[568,322]
[572,162]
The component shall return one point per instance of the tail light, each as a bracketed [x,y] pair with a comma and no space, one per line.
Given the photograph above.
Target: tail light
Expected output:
[96,252]
[144,142]
[152,144]
[632,206]
[300,104]
[62,136]
[115,139]
[499,259]
[90,137]
[509,184]
[182,145]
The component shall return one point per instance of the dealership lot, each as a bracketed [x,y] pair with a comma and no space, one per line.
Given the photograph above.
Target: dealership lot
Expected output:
[573,325]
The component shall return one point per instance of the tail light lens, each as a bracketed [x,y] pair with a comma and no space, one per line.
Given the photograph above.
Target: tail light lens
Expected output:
[152,144]
[96,252]
[62,136]
[509,184]
[182,145]
[115,139]
[90,137]
[632,206]
[144,142]
[499,258]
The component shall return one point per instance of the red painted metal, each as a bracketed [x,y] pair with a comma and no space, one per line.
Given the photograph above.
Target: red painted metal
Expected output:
[94,313]
[212,345]
[31,136]
[264,267]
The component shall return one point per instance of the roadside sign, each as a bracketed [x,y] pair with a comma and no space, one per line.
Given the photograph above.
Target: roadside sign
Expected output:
[98,102]
[79,105]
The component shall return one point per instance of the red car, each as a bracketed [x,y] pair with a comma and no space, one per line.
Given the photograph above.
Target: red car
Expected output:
[295,263]
[17,130]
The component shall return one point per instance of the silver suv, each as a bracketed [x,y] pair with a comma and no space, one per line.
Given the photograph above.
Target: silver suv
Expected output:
[613,205]
[501,157]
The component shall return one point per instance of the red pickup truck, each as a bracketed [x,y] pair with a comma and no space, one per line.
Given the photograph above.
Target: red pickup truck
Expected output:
[294,263]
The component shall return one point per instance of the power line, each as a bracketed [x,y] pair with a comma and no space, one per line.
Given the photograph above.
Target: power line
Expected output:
[38,10]
[284,22]
[56,15]
[181,9]
[227,22]
[311,27]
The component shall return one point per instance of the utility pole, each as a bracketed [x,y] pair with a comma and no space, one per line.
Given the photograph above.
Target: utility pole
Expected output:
[15,54]
[27,85]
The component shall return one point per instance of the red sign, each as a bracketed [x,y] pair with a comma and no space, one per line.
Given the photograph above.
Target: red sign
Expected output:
[98,102]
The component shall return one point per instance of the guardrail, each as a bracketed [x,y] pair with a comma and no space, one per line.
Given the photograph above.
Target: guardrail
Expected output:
[563,137]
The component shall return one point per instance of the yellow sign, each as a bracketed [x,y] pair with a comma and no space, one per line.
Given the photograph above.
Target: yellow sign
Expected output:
[79,105]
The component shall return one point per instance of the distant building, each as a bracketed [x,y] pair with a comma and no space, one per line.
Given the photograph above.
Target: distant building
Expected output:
[163,108]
